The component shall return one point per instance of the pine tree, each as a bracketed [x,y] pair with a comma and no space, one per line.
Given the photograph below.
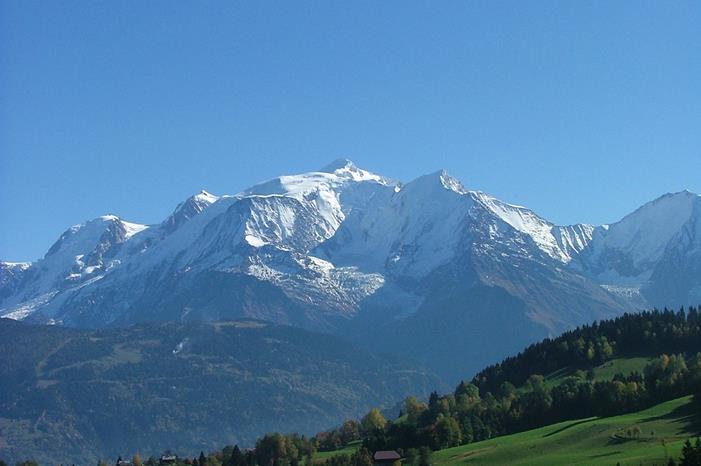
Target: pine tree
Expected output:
[424,456]
[691,454]
[237,458]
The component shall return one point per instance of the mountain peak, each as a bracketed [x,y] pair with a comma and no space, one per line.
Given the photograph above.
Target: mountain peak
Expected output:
[450,182]
[189,208]
[644,234]
[198,201]
[206,197]
[440,179]
[683,194]
[339,164]
[347,170]
[680,201]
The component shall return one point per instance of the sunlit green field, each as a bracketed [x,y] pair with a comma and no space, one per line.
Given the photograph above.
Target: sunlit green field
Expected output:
[605,371]
[321,456]
[592,441]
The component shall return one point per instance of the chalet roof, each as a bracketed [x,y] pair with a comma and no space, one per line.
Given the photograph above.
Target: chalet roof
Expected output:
[386,455]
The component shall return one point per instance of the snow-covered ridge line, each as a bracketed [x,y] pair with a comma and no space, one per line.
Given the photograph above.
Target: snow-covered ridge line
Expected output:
[18,265]
[330,239]
[559,242]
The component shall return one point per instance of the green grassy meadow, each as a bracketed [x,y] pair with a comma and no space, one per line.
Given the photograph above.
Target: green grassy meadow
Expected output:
[321,456]
[591,442]
[605,371]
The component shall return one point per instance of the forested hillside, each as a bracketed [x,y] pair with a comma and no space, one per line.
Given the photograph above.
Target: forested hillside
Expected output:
[648,333]
[514,395]
[566,378]
[73,396]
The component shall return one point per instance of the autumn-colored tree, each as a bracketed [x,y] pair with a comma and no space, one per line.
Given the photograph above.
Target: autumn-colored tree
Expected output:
[372,421]
[350,430]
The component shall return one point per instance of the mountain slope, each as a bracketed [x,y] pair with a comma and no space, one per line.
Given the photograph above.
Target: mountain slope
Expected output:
[74,396]
[346,251]
[460,267]
[260,238]
[653,254]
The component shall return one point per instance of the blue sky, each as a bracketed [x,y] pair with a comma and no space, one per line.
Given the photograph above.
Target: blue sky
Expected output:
[581,111]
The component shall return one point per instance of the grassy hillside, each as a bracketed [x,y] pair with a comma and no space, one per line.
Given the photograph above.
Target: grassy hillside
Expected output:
[591,442]
[605,371]
[321,456]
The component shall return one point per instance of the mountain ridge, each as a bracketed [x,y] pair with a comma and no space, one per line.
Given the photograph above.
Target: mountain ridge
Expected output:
[347,251]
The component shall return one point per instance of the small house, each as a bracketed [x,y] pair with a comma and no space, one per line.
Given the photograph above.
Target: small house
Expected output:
[385,457]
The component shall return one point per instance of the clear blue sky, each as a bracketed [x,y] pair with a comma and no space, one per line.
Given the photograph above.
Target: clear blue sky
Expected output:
[580,110]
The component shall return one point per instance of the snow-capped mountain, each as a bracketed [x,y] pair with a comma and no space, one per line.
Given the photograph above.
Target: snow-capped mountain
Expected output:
[348,251]
[11,274]
[83,254]
[652,255]
[247,254]
[189,208]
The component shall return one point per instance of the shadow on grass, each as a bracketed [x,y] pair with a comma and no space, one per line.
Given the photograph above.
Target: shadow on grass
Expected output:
[689,415]
[562,429]
[618,439]
[602,455]
[560,373]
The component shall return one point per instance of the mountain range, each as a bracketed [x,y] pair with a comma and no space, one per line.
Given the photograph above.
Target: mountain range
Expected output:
[431,270]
